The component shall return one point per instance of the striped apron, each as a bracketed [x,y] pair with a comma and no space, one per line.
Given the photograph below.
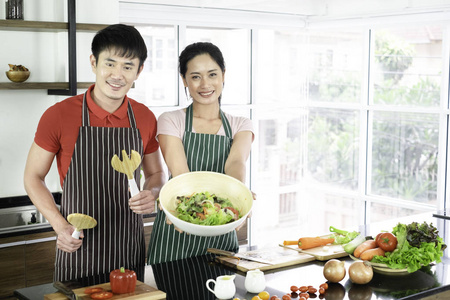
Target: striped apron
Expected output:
[94,188]
[185,279]
[204,152]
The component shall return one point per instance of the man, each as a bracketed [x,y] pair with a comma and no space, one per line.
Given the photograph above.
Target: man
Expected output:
[83,133]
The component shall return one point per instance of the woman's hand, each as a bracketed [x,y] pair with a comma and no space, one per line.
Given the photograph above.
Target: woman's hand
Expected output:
[168,222]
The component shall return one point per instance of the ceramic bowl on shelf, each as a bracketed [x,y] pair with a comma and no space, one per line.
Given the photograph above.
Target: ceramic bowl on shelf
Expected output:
[216,183]
[17,76]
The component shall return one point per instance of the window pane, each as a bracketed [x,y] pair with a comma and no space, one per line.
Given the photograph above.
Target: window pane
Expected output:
[383,212]
[408,66]
[235,47]
[157,84]
[405,156]
[280,72]
[333,137]
[278,157]
[336,64]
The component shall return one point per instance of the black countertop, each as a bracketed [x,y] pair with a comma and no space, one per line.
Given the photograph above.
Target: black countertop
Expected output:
[186,279]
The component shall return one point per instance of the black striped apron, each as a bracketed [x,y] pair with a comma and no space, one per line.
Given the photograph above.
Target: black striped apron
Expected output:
[94,188]
[204,152]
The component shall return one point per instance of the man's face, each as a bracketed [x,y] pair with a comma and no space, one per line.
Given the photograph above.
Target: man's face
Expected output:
[114,75]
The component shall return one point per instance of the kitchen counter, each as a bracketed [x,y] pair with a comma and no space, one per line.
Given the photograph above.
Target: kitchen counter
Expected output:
[185,279]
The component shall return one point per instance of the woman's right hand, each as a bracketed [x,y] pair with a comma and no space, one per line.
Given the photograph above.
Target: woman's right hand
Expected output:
[168,222]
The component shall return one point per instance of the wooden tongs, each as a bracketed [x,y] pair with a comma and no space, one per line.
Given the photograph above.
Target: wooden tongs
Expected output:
[128,166]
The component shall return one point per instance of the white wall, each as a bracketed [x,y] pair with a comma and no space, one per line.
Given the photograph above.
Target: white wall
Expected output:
[45,54]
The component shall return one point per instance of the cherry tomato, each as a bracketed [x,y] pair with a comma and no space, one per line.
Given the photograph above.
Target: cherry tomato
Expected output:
[286,297]
[387,241]
[294,288]
[89,291]
[102,295]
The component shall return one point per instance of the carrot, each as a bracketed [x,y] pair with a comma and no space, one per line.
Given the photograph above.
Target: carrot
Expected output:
[369,244]
[369,254]
[289,243]
[312,242]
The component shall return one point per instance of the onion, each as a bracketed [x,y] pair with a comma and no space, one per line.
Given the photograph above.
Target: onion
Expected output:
[334,270]
[360,272]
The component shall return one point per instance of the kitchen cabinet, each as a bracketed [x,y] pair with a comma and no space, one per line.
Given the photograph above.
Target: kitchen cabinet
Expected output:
[26,260]
[54,88]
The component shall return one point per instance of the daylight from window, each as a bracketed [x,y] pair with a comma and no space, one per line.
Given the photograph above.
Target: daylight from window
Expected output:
[348,122]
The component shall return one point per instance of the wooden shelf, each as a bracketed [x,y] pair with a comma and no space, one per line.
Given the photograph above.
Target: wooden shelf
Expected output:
[41,85]
[21,25]
[71,27]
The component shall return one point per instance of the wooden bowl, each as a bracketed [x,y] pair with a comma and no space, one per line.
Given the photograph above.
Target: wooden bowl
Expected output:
[17,76]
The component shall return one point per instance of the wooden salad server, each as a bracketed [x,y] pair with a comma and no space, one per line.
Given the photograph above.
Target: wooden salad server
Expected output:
[128,166]
[81,221]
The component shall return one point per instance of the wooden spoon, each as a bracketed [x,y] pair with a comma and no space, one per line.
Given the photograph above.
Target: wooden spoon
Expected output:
[81,221]
[128,166]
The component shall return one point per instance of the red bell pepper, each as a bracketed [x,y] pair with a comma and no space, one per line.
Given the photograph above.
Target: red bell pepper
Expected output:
[122,281]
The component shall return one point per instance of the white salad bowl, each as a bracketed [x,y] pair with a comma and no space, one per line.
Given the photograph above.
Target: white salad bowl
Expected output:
[215,183]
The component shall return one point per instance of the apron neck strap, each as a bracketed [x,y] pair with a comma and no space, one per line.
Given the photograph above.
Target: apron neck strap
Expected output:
[85,115]
[190,120]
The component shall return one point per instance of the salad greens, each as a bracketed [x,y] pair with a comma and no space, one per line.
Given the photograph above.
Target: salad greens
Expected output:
[206,209]
[418,245]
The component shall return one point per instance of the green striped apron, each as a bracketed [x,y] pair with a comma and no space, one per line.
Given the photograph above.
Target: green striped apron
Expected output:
[204,152]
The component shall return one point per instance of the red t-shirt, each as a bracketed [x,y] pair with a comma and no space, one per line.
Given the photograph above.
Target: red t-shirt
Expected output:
[58,128]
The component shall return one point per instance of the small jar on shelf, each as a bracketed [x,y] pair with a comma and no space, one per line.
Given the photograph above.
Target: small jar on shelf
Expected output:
[14,9]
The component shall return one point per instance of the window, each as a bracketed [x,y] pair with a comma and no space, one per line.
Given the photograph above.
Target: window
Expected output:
[350,121]
[157,84]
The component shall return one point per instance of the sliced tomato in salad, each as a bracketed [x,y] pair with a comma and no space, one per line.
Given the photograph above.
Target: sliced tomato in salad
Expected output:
[235,212]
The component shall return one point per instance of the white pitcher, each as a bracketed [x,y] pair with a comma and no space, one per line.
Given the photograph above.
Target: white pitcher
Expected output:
[224,287]
[255,282]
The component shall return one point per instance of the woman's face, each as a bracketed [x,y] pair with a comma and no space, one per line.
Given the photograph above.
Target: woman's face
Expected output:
[204,78]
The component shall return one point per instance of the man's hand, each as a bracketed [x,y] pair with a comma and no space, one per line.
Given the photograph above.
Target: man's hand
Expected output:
[143,203]
[66,242]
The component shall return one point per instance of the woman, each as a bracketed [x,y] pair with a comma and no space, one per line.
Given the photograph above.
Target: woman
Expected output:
[200,137]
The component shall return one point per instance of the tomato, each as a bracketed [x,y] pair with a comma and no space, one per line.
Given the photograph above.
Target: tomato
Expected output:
[235,212]
[102,295]
[122,281]
[89,291]
[387,241]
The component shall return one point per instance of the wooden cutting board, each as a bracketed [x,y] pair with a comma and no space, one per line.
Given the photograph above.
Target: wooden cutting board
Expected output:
[142,291]
[280,257]
[322,252]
